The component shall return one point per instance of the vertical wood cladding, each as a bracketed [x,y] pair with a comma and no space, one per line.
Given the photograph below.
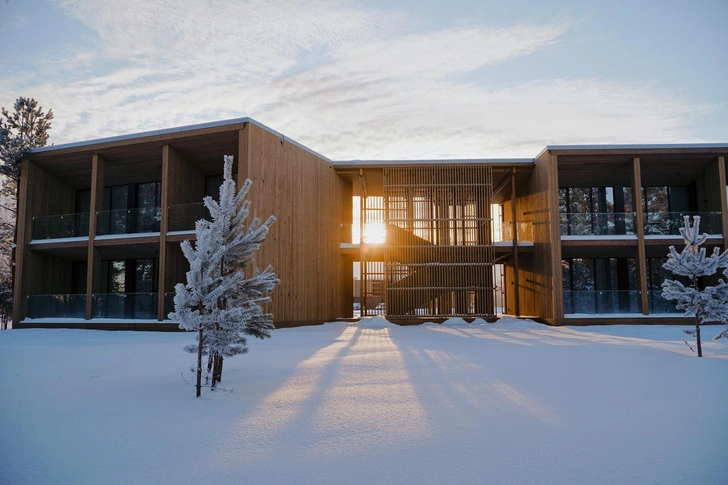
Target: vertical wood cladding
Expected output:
[41,194]
[309,201]
[539,283]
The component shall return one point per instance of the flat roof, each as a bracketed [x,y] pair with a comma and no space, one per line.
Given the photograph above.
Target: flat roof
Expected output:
[439,161]
[172,131]
[381,163]
[636,147]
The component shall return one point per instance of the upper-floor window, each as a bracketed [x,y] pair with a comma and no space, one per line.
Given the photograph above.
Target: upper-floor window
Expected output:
[668,199]
[590,211]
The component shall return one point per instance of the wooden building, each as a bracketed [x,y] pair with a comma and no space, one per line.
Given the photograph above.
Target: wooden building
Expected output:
[577,233]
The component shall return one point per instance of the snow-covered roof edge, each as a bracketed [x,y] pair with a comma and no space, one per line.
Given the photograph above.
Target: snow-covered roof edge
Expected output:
[628,146]
[441,161]
[179,129]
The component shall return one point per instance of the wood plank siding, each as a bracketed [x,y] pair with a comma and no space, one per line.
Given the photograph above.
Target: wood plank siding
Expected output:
[310,202]
[536,284]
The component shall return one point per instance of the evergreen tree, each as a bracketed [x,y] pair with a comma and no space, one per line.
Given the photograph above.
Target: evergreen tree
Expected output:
[20,131]
[704,303]
[219,302]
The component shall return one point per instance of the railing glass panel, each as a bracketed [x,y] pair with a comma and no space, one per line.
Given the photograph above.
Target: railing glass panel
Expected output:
[168,303]
[57,306]
[61,226]
[660,305]
[125,305]
[669,223]
[129,221]
[602,302]
[597,224]
[184,216]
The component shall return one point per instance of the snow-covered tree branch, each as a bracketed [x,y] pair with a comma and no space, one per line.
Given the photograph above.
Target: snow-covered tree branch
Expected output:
[704,303]
[219,302]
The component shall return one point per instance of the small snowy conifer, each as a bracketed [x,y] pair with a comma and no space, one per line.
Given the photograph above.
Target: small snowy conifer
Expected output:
[707,304]
[218,301]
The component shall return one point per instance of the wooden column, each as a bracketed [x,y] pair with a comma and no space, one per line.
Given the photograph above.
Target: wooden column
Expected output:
[723,199]
[640,229]
[243,154]
[93,272]
[24,235]
[514,232]
[163,229]
[557,286]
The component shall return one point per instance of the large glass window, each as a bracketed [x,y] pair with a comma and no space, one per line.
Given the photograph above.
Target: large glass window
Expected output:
[664,207]
[599,285]
[596,210]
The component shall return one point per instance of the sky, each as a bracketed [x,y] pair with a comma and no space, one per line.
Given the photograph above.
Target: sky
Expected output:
[377,79]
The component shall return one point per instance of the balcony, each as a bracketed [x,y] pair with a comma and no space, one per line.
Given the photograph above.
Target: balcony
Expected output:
[57,306]
[128,221]
[659,305]
[669,223]
[61,226]
[184,216]
[598,224]
[139,306]
[597,302]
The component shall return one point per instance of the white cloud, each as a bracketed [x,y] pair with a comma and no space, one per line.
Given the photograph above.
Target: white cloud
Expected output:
[378,88]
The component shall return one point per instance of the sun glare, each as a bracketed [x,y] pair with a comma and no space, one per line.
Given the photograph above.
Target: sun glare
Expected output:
[375,233]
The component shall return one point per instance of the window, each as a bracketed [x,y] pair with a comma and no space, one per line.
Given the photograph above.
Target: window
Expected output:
[129,276]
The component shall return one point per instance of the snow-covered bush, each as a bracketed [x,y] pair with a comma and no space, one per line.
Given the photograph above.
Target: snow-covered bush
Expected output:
[704,303]
[219,302]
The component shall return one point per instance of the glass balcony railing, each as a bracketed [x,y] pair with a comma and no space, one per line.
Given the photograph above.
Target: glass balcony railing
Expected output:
[128,221]
[602,302]
[125,305]
[65,225]
[597,224]
[669,223]
[660,305]
[184,216]
[57,306]
[168,303]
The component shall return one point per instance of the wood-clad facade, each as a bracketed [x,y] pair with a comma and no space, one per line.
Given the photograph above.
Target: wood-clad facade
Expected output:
[299,187]
[578,237]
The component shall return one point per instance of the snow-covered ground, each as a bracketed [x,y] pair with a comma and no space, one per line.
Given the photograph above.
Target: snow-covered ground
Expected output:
[368,403]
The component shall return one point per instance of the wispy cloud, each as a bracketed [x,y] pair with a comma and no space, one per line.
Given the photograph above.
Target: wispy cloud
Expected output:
[347,81]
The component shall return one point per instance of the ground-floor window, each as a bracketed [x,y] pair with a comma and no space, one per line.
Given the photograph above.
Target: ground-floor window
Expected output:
[600,285]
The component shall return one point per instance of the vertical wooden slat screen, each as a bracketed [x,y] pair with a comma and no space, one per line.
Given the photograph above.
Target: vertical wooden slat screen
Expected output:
[439,253]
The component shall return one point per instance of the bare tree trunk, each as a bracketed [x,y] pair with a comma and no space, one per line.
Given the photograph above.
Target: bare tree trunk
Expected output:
[697,336]
[217,371]
[209,368]
[200,336]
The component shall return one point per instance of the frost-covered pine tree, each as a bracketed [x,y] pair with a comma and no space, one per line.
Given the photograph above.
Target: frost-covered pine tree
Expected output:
[705,304]
[220,302]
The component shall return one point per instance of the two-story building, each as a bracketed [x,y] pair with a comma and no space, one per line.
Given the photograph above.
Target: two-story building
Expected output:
[576,235]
